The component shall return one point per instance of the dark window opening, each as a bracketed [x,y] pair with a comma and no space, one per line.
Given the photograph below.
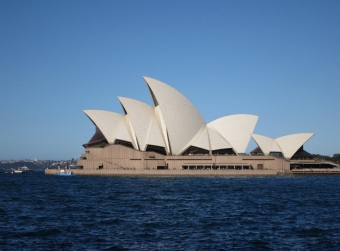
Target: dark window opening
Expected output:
[225,151]
[124,143]
[98,144]
[193,150]
[276,154]
[156,149]
[257,152]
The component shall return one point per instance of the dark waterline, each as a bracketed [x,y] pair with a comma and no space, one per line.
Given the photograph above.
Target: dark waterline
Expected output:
[41,212]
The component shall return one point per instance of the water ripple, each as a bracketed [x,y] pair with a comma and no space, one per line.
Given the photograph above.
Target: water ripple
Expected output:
[41,212]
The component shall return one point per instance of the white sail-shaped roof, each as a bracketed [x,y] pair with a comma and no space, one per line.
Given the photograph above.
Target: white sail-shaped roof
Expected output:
[291,143]
[143,120]
[275,147]
[107,122]
[112,125]
[216,140]
[265,143]
[155,135]
[236,129]
[131,131]
[202,139]
[123,132]
[139,114]
[182,120]
[161,123]
[287,145]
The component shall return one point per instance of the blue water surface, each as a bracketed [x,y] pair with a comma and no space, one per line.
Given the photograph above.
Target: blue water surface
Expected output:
[42,212]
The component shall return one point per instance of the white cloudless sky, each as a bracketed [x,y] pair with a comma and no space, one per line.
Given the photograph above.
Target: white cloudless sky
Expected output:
[279,60]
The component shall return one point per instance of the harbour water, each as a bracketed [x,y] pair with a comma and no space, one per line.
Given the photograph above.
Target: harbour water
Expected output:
[45,212]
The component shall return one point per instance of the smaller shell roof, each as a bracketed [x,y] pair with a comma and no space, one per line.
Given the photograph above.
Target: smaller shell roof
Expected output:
[288,144]
[291,143]
[140,117]
[236,129]
[106,121]
[216,140]
[144,122]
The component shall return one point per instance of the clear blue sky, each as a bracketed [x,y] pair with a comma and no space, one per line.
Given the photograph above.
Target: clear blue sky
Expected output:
[279,60]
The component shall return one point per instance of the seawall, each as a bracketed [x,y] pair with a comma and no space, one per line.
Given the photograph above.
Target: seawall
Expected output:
[113,172]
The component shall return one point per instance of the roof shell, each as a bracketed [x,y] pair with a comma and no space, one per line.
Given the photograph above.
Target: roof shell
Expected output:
[143,120]
[216,140]
[236,129]
[107,122]
[291,143]
[265,143]
[202,139]
[288,144]
[112,125]
[182,119]
[155,136]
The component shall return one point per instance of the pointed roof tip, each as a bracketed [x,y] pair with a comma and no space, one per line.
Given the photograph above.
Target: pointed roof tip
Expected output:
[125,98]
[148,79]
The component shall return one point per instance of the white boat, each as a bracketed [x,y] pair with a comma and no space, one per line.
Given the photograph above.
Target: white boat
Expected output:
[16,171]
[23,169]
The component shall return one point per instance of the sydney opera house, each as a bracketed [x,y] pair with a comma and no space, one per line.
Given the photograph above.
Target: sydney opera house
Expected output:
[172,135]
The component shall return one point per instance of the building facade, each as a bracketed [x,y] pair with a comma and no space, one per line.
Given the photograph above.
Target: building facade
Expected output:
[172,135]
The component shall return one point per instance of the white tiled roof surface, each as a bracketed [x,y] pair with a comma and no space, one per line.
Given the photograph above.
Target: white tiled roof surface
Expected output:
[123,132]
[216,140]
[155,135]
[275,147]
[265,143]
[131,131]
[139,114]
[107,122]
[291,143]
[161,123]
[182,119]
[236,129]
[202,139]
